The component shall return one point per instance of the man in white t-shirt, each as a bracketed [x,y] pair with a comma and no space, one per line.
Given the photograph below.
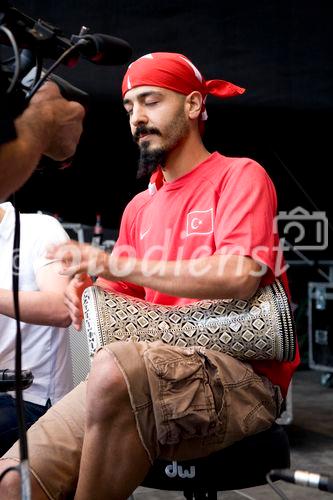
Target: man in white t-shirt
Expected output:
[45,344]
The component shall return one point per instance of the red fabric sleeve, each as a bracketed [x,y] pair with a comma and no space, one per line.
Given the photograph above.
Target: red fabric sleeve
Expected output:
[245,213]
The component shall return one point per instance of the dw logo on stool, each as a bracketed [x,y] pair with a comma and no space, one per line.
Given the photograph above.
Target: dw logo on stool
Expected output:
[173,470]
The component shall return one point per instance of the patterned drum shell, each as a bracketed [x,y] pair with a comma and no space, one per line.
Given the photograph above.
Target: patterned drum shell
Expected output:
[259,328]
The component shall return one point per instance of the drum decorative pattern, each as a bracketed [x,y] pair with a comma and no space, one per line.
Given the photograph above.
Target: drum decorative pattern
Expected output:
[259,328]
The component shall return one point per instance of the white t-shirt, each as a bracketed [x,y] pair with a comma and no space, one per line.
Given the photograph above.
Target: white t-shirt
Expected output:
[45,349]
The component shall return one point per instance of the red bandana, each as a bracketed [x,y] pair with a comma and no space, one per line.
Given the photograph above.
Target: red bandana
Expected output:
[174,72]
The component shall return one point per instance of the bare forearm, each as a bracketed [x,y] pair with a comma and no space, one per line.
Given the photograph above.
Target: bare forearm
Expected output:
[40,308]
[18,160]
[213,277]
[206,278]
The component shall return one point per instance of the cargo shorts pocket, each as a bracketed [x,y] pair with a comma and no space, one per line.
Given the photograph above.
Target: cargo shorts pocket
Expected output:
[187,393]
[266,410]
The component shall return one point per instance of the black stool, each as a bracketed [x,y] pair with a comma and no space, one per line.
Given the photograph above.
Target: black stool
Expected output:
[242,465]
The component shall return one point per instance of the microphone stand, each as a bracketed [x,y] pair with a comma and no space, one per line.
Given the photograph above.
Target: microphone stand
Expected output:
[305,259]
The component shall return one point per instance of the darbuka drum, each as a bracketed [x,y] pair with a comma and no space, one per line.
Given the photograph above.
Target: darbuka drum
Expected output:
[259,328]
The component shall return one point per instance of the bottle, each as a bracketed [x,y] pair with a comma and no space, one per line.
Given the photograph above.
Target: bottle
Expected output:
[97,237]
[57,216]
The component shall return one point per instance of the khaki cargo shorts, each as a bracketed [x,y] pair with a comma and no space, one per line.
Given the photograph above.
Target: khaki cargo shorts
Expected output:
[187,403]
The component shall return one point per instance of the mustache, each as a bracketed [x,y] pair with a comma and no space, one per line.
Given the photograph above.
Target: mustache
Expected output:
[143,130]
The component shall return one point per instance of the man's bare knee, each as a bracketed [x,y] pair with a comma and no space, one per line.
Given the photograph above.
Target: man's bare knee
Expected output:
[107,389]
[105,373]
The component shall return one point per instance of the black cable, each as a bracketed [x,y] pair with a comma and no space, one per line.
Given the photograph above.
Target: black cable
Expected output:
[277,490]
[304,478]
[52,68]
[12,40]
[23,467]
[18,353]
[15,279]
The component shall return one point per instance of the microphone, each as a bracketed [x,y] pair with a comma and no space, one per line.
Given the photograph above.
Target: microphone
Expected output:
[303,478]
[103,49]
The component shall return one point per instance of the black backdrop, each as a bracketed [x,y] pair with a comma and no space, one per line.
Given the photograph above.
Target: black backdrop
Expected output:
[280,50]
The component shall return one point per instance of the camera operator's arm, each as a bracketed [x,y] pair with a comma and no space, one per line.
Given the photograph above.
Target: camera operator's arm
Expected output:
[51,126]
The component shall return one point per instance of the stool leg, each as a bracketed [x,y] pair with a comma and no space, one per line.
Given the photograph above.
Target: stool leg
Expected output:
[212,495]
[200,495]
[204,495]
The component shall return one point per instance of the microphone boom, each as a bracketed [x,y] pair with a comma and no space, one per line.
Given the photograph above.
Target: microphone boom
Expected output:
[103,49]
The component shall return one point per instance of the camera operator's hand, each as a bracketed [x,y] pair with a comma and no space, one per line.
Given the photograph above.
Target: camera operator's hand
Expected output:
[50,125]
[61,121]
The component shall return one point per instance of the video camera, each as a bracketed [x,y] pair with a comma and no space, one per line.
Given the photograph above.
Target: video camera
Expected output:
[34,40]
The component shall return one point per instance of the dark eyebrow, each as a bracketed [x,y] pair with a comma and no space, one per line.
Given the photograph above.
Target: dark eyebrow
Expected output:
[142,96]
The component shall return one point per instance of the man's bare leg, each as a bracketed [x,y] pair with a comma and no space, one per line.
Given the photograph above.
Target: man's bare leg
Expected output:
[113,461]
[10,486]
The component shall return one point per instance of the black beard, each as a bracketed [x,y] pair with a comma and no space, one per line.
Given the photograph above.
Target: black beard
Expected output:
[150,160]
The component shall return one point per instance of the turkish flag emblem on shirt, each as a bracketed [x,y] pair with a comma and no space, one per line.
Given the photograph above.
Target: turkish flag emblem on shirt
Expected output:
[200,222]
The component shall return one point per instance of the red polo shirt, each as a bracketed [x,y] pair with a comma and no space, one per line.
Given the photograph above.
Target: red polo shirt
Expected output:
[224,205]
